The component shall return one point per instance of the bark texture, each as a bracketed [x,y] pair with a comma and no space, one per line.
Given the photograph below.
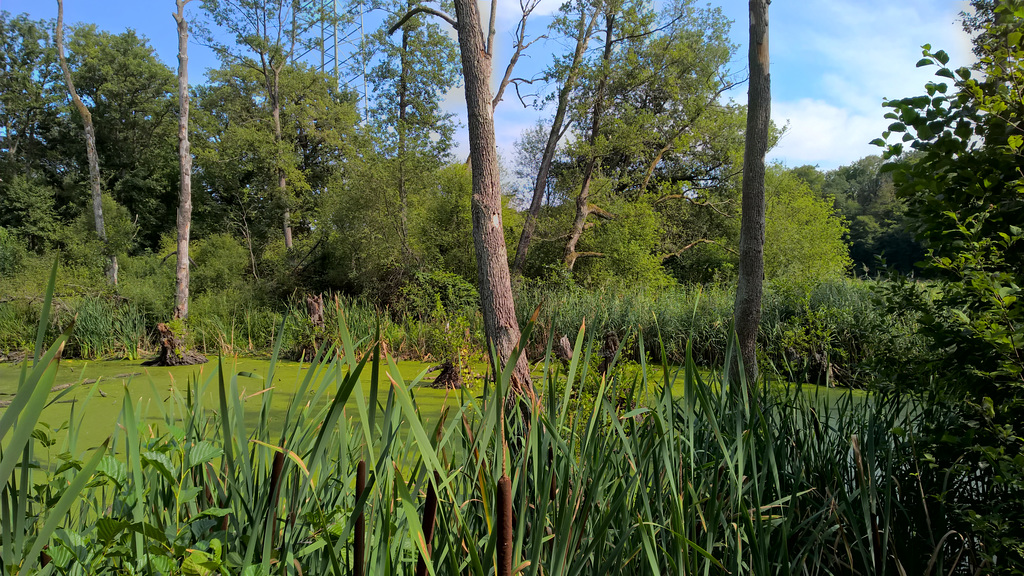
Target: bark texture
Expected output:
[500,323]
[90,144]
[747,315]
[181,270]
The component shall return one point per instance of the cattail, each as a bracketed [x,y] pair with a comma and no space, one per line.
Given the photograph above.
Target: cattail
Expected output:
[360,543]
[429,516]
[275,488]
[551,462]
[504,506]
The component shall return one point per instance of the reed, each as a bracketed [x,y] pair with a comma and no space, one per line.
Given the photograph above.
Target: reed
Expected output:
[717,481]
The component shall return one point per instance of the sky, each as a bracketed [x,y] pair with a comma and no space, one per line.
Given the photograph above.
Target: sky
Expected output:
[833,62]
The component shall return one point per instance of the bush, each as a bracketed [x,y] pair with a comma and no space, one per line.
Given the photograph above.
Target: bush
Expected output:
[420,296]
[12,253]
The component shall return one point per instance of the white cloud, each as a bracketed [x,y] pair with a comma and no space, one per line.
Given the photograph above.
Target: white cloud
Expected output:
[841,59]
[823,134]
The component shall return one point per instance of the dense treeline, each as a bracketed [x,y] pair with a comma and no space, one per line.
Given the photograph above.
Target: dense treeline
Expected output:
[376,199]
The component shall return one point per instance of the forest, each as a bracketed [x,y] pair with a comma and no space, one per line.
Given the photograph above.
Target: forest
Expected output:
[628,344]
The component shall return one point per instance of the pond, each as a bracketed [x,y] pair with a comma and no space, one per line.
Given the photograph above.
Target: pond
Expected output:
[99,387]
[150,386]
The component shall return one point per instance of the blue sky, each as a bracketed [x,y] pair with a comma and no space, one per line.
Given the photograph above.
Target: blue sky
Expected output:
[832,62]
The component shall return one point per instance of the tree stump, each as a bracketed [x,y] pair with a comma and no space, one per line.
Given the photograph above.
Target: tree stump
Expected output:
[173,351]
[449,378]
[315,305]
[563,351]
[608,351]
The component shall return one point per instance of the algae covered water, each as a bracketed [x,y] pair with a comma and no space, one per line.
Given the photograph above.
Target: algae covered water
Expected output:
[93,392]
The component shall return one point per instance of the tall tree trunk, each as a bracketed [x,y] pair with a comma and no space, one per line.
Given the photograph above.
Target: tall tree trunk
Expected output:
[583,200]
[584,30]
[403,108]
[274,90]
[90,145]
[751,265]
[499,311]
[582,211]
[181,274]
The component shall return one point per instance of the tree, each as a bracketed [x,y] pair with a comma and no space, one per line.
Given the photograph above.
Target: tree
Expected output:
[410,80]
[650,124]
[581,29]
[185,161]
[237,160]
[747,315]
[27,107]
[965,196]
[495,284]
[90,144]
[131,100]
[878,226]
[804,243]
[266,33]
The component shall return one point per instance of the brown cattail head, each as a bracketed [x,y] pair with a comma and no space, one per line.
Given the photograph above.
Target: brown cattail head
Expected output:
[360,541]
[504,507]
[429,518]
[275,488]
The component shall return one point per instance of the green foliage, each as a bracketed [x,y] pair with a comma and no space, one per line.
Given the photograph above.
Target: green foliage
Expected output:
[12,253]
[963,187]
[428,291]
[702,483]
[628,246]
[81,245]
[27,209]
[838,332]
[803,244]
[221,264]
[879,237]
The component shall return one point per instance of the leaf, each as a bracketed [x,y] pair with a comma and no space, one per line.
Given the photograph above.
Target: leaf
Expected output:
[878,142]
[114,469]
[924,62]
[189,494]
[202,453]
[109,528]
[56,514]
[1015,142]
[942,57]
[162,464]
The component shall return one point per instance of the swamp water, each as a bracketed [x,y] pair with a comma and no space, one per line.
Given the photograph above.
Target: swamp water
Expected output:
[97,389]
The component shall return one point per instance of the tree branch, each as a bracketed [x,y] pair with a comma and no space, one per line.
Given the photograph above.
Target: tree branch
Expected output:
[521,44]
[600,212]
[425,10]
[679,252]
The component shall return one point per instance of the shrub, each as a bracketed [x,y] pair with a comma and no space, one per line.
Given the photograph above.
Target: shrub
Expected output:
[12,253]
[455,294]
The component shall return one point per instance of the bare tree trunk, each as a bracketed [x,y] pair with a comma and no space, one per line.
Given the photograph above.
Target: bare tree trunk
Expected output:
[751,265]
[584,30]
[274,91]
[583,200]
[403,108]
[90,145]
[499,311]
[181,274]
[582,211]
